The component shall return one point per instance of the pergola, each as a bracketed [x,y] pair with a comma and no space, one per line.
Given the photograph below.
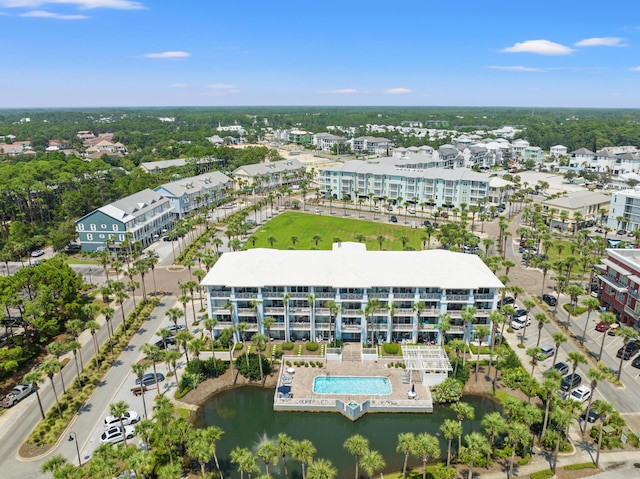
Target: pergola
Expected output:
[426,359]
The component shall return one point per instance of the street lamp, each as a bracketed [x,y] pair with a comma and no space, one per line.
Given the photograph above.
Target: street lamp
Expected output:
[74,437]
[90,276]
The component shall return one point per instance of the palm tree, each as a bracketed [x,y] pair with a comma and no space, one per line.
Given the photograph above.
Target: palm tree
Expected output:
[34,378]
[562,419]
[595,375]
[591,304]
[457,345]
[536,355]
[372,462]
[259,341]
[494,424]
[477,447]
[269,453]
[321,469]
[93,326]
[139,369]
[518,434]
[605,409]
[575,358]
[357,446]
[195,346]
[450,429]
[426,447]
[463,410]
[482,332]
[119,409]
[303,452]
[627,334]
[50,367]
[405,446]
[558,339]
[549,390]
[608,319]
[528,304]
[174,314]
[245,460]
[199,449]
[182,339]
[285,446]
[108,316]
[380,240]
[334,310]
[541,320]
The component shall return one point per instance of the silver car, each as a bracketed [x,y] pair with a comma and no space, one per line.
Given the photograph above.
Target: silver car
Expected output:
[115,435]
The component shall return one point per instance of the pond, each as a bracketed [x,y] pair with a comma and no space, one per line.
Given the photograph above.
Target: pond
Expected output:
[246,415]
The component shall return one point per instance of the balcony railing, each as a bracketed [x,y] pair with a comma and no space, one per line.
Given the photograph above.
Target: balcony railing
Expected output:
[631,312]
[300,325]
[402,327]
[245,311]
[299,310]
[224,324]
[246,295]
[351,312]
[272,310]
[378,295]
[457,297]
[483,296]
[350,296]
[322,311]
[404,311]
[430,295]
[404,295]
[351,328]
[325,295]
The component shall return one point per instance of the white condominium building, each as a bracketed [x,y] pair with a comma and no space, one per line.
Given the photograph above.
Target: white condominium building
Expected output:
[408,179]
[315,294]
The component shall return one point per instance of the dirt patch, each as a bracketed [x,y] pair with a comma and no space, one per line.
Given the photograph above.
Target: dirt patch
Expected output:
[30,451]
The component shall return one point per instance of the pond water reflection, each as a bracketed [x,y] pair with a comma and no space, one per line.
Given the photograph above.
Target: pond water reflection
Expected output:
[247,417]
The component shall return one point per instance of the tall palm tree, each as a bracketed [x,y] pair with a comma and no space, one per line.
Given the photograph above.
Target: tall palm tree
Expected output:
[463,410]
[93,327]
[627,334]
[334,311]
[494,424]
[195,346]
[562,420]
[119,409]
[558,339]
[285,447]
[357,446]
[541,320]
[608,319]
[259,341]
[405,446]
[303,451]
[518,434]
[372,462]
[50,367]
[139,369]
[595,375]
[605,409]
[245,460]
[477,447]
[174,314]
[269,453]
[426,447]
[482,332]
[108,316]
[528,304]
[35,378]
[184,299]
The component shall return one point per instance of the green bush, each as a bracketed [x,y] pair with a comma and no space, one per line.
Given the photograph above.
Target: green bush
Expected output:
[546,474]
[287,346]
[251,370]
[391,348]
[524,460]
[578,467]
[449,390]
[239,346]
[312,346]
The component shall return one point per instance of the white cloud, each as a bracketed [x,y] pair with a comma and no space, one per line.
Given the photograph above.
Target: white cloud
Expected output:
[634,69]
[397,91]
[540,47]
[57,16]
[341,91]
[168,55]
[516,68]
[82,4]
[222,86]
[600,42]
[179,85]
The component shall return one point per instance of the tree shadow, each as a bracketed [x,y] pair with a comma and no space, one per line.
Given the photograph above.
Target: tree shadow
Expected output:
[586,446]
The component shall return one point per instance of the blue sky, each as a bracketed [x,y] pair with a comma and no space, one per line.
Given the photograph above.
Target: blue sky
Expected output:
[80,53]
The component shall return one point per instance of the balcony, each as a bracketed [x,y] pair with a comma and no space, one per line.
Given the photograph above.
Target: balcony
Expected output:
[220,294]
[246,311]
[272,310]
[224,324]
[351,296]
[483,296]
[378,295]
[634,314]
[325,295]
[457,297]
[351,312]
[277,326]
[246,295]
[299,295]
[430,295]
[404,311]
[220,310]
[404,295]
[351,328]
[402,327]
[300,325]
[322,311]
[299,311]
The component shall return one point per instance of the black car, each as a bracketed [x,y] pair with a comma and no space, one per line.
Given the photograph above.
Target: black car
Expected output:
[570,381]
[549,299]
[519,313]
[593,415]
[393,219]
[636,362]
[562,368]
[506,300]
[427,223]
[167,343]
[628,351]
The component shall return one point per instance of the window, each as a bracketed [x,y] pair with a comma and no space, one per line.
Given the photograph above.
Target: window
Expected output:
[80,227]
[115,227]
[103,226]
[92,226]
[121,237]
[101,236]
[89,237]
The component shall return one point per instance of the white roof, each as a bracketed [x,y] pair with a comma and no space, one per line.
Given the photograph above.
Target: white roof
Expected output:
[350,265]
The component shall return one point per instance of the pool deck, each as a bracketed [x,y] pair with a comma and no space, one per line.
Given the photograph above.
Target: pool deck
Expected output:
[303,399]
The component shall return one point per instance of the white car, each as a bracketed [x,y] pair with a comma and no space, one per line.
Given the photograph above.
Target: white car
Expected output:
[519,323]
[37,253]
[128,418]
[115,435]
[581,393]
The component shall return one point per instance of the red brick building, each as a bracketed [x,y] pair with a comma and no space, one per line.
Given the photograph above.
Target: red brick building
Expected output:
[621,285]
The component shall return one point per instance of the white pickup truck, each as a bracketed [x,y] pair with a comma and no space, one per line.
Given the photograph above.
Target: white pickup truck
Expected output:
[17,394]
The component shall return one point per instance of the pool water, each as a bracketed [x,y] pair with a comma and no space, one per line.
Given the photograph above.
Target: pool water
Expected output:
[355,385]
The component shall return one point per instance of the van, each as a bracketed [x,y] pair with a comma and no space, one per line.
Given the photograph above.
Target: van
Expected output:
[547,351]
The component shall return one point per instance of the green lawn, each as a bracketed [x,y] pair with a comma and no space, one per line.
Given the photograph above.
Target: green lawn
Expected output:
[305,226]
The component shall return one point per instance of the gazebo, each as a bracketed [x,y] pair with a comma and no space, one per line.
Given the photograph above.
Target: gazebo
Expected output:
[430,363]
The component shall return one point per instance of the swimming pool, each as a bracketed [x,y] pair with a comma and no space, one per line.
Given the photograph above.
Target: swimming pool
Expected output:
[356,385]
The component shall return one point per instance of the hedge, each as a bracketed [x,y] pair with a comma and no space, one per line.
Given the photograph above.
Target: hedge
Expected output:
[391,348]
[311,346]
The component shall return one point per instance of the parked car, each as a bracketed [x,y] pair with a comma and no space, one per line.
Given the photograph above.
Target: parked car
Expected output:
[519,323]
[149,379]
[128,418]
[173,329]
[37,253]
[389,208]
[115,435]
[376,208]
[72,248]
[562,368]
[169,343]
[622,232]
[411,211]
[570,381]
[628,351]
[519,313]
[393,219]
[636,362]
[547,350]
[593,415]
[602,326]
[505,301]
[549,299]
[426,223]
[17,394]
[612,329]
[581,393]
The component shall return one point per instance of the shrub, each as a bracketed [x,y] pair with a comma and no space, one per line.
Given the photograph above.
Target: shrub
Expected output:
[287,346]
[524,460]
[577,467]
[251,370]
[449,390]
[546,474]
[312,346]
[391,348]
[239,346]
